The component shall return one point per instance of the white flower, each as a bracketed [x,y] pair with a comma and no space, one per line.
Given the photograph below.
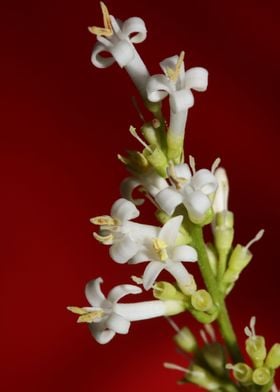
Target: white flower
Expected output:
[118,38]
[117,230]
[193,191]
[106,316]
[178,85]
[163,254]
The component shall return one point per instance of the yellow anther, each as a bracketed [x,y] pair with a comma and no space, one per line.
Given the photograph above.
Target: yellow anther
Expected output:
[104,239]
[85,315]
[104,220]
[173,74]
[107,30]
[160,247]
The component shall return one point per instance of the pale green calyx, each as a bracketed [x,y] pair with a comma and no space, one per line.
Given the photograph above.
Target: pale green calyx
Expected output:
[201,300]
[241,372]
[262,376]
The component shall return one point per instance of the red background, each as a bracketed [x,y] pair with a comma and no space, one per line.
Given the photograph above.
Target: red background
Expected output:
[63,122]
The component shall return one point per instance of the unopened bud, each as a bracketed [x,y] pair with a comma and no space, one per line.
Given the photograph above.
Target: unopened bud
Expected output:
[185,340]
[201,300]
[190,287]
[273,357]
[223,231]
[212,258]
[255,347]
[261,376]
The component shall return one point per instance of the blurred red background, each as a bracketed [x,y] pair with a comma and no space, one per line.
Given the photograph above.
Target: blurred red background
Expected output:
[63,122]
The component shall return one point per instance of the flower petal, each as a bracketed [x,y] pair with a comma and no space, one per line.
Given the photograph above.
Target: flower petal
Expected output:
[134,29]
[184,253]
[196,78]
[102,336]
[127,187]
[118,323]
[205,181]
[183,171]
[101,61]
[220,202]
[124,210]
[158,87]
[93,292]
[122,290]
[151,272]
[123,250]
[168,199]
[197,204]
[179,272]
[169,231]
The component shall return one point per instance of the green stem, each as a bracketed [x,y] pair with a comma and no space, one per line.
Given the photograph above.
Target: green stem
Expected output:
[213,288]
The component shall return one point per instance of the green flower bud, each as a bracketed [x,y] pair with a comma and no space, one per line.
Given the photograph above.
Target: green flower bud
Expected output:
[223,231]
[255,347]
[166,291]
[273,357]
[262,376]
[242,373]
[150,134]
[190,288]
[202,300]
[185,340]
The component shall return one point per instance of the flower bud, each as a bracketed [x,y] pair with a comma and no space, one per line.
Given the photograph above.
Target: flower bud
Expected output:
[201,300]
[238,260]
[223,231]
[255,347]
[150,134]
[185,340]
[166,291]
[262,376]
[273,357]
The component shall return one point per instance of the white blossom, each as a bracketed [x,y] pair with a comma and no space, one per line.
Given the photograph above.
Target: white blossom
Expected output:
[163,254]
[117,38]
[106,316]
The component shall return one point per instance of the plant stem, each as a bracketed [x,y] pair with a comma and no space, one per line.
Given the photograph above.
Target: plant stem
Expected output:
[213,288]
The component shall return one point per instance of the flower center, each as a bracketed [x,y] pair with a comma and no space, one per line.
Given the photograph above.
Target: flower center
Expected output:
[160,247]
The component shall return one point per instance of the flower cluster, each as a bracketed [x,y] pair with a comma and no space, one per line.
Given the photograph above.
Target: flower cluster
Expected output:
[186,200]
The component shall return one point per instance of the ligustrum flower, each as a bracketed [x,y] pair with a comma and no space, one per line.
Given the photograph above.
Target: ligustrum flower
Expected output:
[117,38]
[194,191]
[163,254]
[117,230]
[178,85]
[106,316]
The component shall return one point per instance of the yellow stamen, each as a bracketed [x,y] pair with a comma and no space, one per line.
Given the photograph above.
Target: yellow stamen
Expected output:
[85,315]
[173,74]
[107,30]
[160,248]
[104,220]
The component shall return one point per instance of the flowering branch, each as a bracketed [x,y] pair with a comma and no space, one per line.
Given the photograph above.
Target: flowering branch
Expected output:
[186,201]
